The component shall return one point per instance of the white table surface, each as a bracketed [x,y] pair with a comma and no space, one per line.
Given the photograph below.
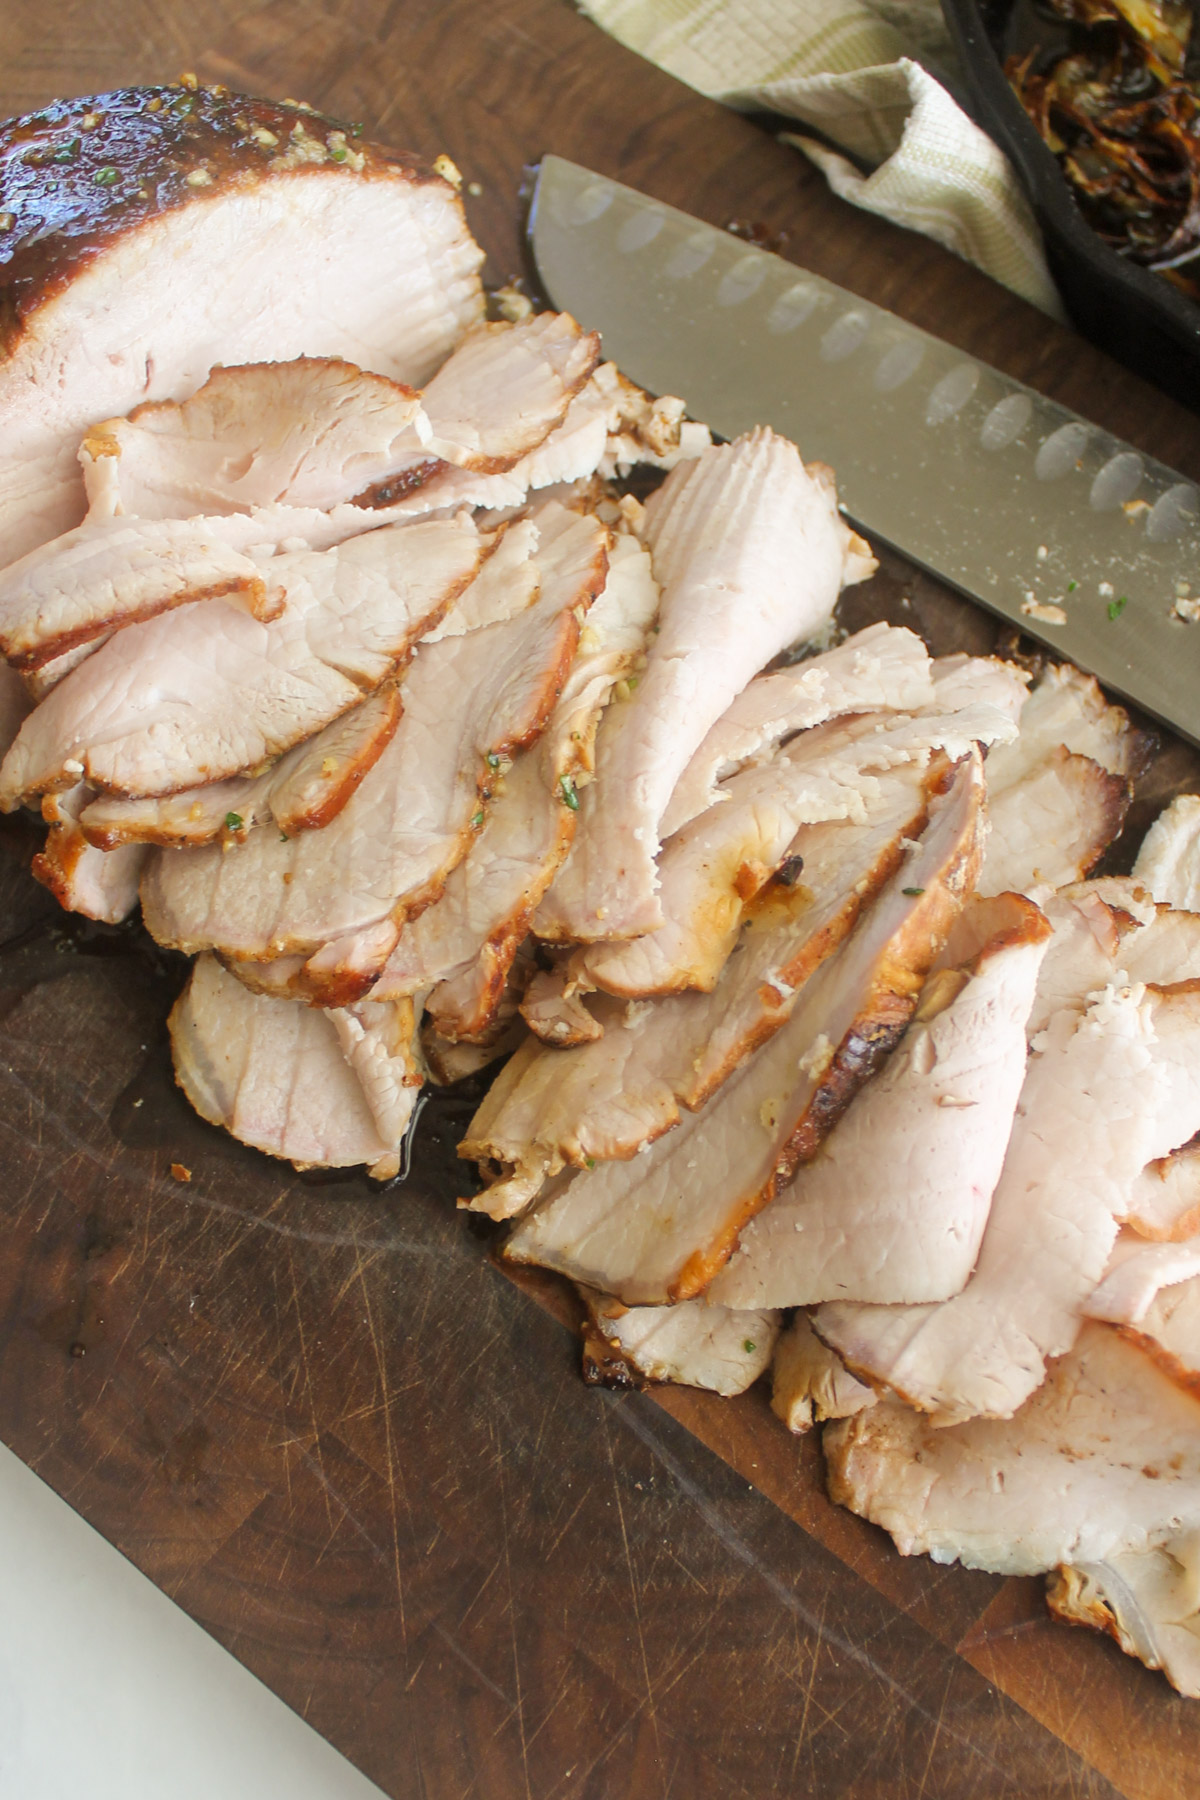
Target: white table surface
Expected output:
[109,1692]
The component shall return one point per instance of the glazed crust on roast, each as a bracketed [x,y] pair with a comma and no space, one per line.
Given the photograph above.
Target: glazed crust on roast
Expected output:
[119,159]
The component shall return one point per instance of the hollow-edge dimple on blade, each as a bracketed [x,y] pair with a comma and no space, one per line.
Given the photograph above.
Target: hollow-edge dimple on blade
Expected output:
[1050,521]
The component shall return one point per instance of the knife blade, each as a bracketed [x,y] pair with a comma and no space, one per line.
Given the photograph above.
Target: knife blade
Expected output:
[1084,542]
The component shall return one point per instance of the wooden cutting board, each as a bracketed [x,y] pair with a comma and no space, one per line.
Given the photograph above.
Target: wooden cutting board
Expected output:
[320,1416]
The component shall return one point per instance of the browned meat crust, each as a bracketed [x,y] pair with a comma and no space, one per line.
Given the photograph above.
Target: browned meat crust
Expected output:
[121,158]
[1172,1366]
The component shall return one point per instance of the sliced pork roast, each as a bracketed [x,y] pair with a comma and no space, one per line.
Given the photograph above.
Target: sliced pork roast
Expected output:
[1069,709]
[310,432]
[1104,1457]
[379,1041]
[555,1013]
[449,1061]
[508,582]
[82,879]
[809,1383]
[1092,922]
[711,868]
[620,1227]
[1106,1092]
[1164,1202]
[206,691]
[893,1207]
[1169,1333]
[1108,931]
[1100,1468]
[64,600]
[1168,863]
[316,1088]
[1058,794]
[751,554]
[1051,827]
[463,946]
[1137,1273]
[502,393]
[304,790]
[692,1344]
[1146,1600]
[311,783]
[319,432]
[128,208]
[640,1063]
[884,668]
[361,750]
[114,572]
[343,892]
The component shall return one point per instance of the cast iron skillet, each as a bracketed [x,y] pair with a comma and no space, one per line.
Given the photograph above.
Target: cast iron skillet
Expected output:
[1135,315]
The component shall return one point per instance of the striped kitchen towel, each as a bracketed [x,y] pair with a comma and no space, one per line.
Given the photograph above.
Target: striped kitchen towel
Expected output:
[865,76]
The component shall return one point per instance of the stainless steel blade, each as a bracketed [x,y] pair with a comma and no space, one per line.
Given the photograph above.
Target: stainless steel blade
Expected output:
[1006,495]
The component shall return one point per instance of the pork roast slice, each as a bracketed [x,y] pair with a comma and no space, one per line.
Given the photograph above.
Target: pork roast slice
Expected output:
[504,390]
[893,1206]
[310,784]
[309,432]
[284,1078]
[1104,1458]
[1145,1599]
[692,1344]
[1058,794]
[1108,930]
[572,452]
[603,1099]
[884,668]
[112,572]
[1052,825]
[342,893]
[471,933]
[379,1041]
[507,583]
[809,1383]
[1169,1332]
[658,1227]
[1138,1273]
[1106,1092]
[1165,949]
[1091,921]
[712,868]
[317,431]
[1164,1203]
[1168,862]
[1094,1480]
[751,554]
[159,231]
[466,941]
[99,884]
[206,691]
[304,790]
[555,1013]
[1068,708]
[63,600]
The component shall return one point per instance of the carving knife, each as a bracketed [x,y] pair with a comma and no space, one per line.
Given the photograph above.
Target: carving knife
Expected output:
[1085,543]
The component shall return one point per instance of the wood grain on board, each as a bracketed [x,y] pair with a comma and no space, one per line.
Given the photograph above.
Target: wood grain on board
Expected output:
[319,1416]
